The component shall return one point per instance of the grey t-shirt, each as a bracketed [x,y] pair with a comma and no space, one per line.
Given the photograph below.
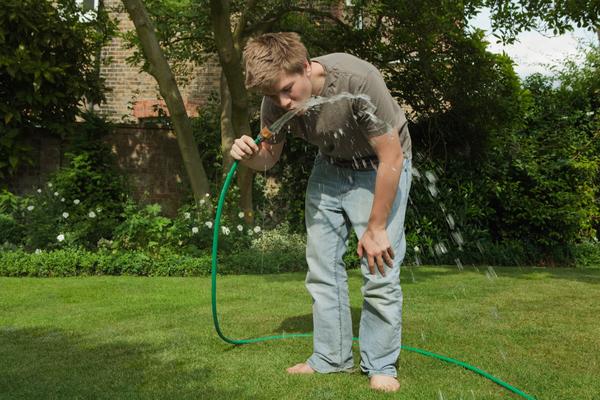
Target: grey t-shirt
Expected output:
[341,128]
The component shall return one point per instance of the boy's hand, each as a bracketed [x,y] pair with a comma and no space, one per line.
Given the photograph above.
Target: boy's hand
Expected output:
[375,245]
[244,148]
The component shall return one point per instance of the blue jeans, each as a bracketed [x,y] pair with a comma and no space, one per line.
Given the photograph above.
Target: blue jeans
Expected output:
[336,200]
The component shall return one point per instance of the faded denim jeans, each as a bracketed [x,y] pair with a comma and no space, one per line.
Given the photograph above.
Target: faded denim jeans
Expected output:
[338,199]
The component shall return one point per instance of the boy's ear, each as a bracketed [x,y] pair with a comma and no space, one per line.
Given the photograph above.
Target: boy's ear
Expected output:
[307,67]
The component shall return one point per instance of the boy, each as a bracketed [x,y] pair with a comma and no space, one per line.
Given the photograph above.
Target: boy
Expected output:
[360,179]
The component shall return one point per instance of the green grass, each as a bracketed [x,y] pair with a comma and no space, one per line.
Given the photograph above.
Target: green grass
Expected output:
[131,337]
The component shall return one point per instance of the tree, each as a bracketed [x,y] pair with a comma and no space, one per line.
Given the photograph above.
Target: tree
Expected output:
[509,18]
[47,71]
[159,68]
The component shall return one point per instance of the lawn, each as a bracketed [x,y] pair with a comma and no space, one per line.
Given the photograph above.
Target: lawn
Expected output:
[131,337]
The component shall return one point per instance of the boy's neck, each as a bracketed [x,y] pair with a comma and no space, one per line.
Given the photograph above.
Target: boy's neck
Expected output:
[317,78]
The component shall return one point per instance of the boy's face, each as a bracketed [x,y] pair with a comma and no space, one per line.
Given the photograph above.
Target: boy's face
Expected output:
[291,90]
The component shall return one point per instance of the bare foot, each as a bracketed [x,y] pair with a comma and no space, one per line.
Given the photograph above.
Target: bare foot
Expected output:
[384,383]
[302,368]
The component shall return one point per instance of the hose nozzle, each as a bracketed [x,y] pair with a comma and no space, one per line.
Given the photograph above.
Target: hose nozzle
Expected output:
[265,133]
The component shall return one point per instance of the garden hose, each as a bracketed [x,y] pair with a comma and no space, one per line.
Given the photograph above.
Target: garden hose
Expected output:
[264,135]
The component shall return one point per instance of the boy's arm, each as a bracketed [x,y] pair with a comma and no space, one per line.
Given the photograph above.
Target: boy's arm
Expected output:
[375,244]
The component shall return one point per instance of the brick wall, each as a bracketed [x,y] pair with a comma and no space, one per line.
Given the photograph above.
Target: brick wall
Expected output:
[47,157]
[151,159]
[133,94]
[148,157]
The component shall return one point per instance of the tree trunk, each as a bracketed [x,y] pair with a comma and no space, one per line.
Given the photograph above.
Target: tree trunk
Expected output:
[227,133]
[160,70]
[231,62]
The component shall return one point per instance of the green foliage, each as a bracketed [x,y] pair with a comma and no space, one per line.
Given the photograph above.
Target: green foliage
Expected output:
[587,254]
[275,250]
[80,204]
[9,229]
[287,182]
[511,17]
[207,134]
[544,175]
[76,261]
[144,228]
[48,65]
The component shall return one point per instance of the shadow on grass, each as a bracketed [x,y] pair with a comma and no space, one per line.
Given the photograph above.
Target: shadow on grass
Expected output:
[38,363]
[304,323]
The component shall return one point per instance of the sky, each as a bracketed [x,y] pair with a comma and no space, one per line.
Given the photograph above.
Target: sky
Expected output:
[534,52]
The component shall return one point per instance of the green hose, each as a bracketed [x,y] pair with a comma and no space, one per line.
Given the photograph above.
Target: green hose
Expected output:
[287,336]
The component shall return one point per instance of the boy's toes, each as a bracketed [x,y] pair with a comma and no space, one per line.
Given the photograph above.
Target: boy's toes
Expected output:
[302,368]
[384,383]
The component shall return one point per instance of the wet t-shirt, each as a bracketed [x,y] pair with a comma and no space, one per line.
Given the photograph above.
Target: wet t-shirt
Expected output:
[360,106]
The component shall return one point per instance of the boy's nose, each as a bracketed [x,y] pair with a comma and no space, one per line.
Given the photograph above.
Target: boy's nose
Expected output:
[285,102]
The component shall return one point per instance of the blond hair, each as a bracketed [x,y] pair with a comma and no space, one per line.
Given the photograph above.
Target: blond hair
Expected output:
[270,54]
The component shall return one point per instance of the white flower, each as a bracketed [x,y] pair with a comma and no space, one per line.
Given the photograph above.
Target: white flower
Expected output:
[589,113]
[30,208]
[202,202]
[240,228]
[195,229]
[225,230]
[39,190]
[49,185]
[271,213]
[76,201]
[208,224]
[98,210]
[257,229]
[37,251]
[417,249]
[241,214]
[250,232]
[65,215]
[62,199]
[60,237]
[56,194]
[207,195]
[186,215]
[92,214]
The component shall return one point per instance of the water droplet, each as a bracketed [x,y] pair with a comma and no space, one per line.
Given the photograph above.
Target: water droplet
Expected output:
[458,263]
[491,273]
[431,177]
[457,237]
[450,220]
[433,190]
[495,313]
[440,248]
[479,247]
[415,173]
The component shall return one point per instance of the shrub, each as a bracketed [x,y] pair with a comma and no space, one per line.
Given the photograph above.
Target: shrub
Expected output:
[276,250]
[48,59]
[78,261]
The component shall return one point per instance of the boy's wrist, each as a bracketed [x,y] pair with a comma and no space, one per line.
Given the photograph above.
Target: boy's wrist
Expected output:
[375,225]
